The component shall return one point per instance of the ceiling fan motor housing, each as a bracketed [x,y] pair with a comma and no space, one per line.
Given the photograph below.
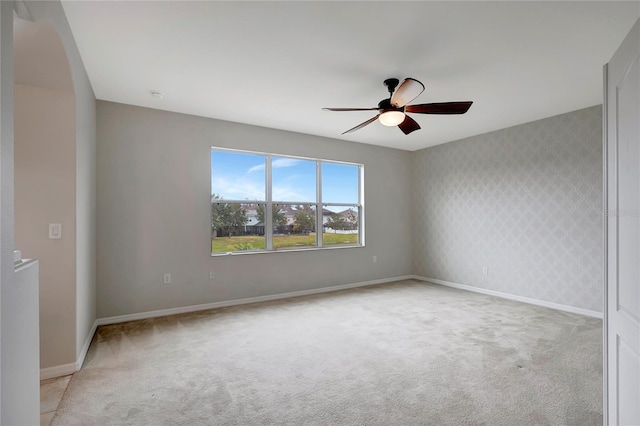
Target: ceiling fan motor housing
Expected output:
[385,105]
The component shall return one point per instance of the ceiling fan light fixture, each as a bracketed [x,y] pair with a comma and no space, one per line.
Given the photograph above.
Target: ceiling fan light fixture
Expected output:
[391,118]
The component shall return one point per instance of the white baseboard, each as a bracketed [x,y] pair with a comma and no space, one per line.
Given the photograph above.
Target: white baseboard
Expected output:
[85,348]
[72,367]
[57,371]
[223,304]
[523,299]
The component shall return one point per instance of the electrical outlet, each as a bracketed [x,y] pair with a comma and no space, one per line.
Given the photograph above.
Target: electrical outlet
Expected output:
[375,259]
[211,275]
[167,278]
[485,270]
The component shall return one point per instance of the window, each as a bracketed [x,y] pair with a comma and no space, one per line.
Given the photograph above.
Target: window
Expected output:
[263,202]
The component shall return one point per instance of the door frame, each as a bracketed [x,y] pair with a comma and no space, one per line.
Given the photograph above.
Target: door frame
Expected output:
[612,324]
[605,249]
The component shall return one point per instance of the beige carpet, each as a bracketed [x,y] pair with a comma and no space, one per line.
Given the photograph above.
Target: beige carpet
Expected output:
[406,353]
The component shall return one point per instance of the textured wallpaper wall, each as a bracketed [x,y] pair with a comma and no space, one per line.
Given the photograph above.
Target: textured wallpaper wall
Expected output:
[525,202]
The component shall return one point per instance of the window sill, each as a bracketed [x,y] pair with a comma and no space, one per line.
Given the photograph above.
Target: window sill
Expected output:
[284,250]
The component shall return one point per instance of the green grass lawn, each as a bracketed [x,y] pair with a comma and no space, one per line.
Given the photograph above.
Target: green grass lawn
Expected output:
[254,242]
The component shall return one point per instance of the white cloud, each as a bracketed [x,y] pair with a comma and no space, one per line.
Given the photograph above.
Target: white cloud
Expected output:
[278,163]
[256,168]
[281,193]
[234,188]
[250,186]
[284,162]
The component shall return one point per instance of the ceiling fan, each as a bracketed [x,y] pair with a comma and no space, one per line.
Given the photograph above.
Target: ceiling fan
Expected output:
[392,111]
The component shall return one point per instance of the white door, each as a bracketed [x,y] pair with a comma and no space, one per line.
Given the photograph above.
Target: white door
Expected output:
[622,311]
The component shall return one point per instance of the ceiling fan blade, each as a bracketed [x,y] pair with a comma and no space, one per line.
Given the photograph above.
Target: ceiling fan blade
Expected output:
[349,109]
[408,125]
[440,108]
[361,125]
[408,90]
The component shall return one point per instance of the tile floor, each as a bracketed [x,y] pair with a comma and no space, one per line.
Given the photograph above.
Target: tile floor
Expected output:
[51,391]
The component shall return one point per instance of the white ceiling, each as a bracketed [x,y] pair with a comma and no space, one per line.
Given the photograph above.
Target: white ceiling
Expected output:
[276,64]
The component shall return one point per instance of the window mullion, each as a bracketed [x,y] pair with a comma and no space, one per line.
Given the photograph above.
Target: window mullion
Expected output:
[319,217]
[268,208]
[361,205]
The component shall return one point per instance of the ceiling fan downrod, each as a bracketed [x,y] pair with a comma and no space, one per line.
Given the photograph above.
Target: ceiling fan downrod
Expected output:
[391,84]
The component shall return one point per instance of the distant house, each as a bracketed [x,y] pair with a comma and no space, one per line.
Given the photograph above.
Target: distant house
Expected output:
[346,221]
[254,226]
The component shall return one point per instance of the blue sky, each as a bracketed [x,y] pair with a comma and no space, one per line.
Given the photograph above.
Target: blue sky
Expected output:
[240,176]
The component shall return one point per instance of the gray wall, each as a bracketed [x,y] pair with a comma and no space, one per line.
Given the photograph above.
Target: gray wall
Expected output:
[525,201]
[154,214]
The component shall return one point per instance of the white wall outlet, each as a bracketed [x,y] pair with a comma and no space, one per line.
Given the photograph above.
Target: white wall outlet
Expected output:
[485,270]
[375,259]
[55,231]
[211,275]
[167,278]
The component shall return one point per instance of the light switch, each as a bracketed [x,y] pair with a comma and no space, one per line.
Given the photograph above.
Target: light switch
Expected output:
[55,231]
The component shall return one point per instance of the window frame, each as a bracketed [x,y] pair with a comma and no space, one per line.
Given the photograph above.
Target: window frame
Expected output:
[268,202]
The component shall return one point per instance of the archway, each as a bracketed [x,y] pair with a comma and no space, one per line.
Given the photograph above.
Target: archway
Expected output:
[45,179]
